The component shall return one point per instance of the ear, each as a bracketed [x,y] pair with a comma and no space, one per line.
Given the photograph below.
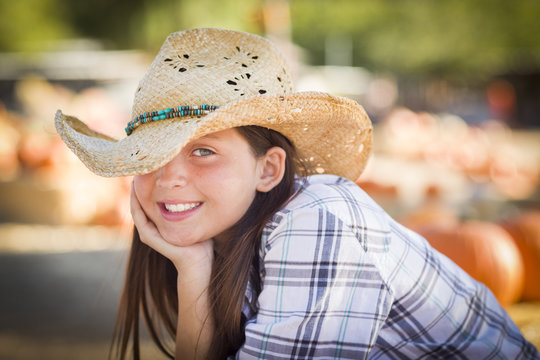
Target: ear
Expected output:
[272,165]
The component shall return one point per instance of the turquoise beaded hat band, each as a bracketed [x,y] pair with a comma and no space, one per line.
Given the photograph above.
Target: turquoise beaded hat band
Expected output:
[169,113]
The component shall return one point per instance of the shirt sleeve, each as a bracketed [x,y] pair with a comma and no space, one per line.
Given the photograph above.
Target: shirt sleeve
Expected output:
[322,296]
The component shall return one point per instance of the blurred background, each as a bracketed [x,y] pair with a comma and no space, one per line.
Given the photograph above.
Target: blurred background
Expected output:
[452,87]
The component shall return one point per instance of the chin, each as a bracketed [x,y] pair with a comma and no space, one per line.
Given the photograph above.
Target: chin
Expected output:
[176,240]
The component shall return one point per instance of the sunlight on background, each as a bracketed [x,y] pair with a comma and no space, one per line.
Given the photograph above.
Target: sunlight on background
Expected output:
[452,88]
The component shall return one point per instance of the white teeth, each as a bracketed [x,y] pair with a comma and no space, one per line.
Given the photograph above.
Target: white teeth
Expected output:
[180,207]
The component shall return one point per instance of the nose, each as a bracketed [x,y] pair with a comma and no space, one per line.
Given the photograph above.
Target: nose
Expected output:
[172,175]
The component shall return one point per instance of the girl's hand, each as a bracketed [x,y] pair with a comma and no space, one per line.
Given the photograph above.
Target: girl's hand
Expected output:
[198,256]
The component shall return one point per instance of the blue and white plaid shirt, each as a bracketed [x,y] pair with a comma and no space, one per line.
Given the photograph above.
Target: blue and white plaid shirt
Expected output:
[342,280]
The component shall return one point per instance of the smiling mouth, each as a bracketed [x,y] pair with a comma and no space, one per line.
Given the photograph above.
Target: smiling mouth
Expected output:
[177,208]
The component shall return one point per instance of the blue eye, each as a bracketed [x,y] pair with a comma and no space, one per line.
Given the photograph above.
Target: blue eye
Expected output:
[202,152]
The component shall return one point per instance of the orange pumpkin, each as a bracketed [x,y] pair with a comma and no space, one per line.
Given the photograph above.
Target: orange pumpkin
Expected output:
[429,214]
[378,190]
[35,149]
[525,229]
[485,251]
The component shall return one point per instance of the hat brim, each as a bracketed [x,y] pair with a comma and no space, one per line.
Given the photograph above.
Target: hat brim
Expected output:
[332,134]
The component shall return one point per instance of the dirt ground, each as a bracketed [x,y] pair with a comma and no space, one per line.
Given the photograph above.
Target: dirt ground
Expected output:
[527,317]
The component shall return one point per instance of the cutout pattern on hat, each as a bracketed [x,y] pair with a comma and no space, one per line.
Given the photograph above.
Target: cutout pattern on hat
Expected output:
[243,58]
[242,82]
[182,62]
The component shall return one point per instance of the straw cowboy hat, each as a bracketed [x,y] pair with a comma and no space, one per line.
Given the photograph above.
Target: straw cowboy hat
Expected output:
[206,80]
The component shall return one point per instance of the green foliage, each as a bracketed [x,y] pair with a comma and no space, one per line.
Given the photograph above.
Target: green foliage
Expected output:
[31,24]
[27,25]
[110,21]
[445,37]
[468,38]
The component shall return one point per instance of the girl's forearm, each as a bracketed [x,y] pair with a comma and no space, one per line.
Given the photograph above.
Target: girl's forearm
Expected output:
[195,326]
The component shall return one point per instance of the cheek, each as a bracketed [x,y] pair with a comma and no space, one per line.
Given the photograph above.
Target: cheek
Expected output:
[228,181]
[235,189]
[143,185]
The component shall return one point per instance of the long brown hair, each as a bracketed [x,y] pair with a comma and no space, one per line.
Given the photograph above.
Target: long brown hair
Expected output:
[150,286]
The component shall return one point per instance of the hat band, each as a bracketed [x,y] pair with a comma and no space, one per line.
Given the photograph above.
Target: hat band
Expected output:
[169,113]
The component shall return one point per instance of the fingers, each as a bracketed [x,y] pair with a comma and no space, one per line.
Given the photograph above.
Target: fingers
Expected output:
[148,232]
[139,217]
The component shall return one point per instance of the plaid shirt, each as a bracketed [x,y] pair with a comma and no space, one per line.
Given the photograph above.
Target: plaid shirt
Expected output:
[342,280]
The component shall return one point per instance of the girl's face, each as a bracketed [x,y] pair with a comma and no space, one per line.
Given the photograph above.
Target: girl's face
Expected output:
[204,190]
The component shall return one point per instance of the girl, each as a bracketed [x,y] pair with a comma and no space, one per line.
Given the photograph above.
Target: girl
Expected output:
[251,239]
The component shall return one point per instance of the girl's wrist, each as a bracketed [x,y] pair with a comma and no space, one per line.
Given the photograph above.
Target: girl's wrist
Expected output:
[194,268]
[193,272]
[196,259]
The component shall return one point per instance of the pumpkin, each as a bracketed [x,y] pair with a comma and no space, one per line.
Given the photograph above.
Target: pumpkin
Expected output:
[525,230]
[378,190]
[485,251]
[429,214]
[116,213]
[35,149]
[9,139]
